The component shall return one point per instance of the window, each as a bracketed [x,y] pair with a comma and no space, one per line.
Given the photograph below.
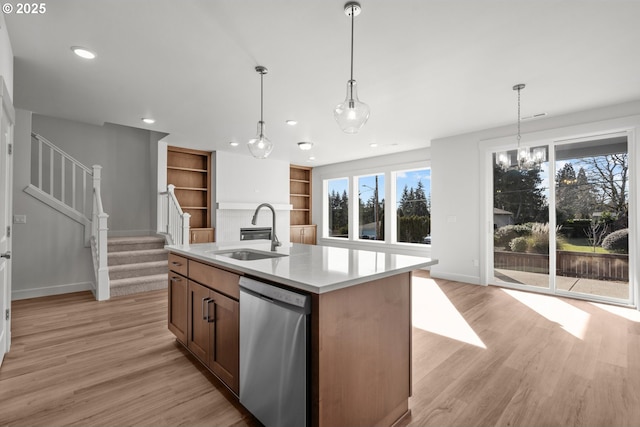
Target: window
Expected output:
[338,214]
[413,206]
[390,205]
[371,207]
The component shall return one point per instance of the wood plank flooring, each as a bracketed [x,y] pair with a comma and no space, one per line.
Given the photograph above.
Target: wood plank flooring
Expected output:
[483,356]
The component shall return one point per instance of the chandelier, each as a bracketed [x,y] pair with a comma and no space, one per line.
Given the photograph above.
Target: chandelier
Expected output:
[526,159]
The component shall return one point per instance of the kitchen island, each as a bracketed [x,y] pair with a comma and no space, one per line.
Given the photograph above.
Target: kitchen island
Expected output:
[360,352]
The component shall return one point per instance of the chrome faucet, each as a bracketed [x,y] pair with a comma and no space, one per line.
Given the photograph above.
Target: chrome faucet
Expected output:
[274,239]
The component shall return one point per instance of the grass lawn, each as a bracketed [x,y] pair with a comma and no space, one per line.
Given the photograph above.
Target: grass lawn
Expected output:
[581,245]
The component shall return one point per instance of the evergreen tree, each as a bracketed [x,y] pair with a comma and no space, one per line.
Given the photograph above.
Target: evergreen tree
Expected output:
[520,192]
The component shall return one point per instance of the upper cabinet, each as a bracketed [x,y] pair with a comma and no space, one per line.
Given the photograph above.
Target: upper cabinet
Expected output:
[190,171]
[302,230]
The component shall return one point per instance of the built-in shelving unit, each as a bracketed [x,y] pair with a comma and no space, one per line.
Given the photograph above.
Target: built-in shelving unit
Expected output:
[190,171]
[302,230]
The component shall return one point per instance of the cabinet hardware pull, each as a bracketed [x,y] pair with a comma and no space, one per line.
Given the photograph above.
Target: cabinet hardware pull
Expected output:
[210,319]
[205,312]
[178,264]
[176,279]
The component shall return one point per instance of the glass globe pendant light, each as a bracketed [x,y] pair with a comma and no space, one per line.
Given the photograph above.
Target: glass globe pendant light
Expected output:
[351,114]
[260,146]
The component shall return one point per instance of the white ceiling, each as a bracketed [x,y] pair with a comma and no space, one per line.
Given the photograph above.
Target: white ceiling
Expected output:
[427,68]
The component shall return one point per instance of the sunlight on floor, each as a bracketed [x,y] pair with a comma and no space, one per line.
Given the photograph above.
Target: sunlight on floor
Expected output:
[433,312]
[626,313]
[571,318]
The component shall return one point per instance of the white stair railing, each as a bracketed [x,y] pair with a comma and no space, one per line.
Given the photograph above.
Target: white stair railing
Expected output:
[99,239]
[73,189]
[173,222]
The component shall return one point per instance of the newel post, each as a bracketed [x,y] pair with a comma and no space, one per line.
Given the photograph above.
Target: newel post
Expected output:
[186,219]
[101,229]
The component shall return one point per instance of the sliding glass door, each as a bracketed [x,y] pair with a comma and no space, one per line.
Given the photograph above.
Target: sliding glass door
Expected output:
[592,213]
[521,221]
[581,250]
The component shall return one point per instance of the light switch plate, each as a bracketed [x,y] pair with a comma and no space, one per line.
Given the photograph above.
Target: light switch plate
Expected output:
[19,219]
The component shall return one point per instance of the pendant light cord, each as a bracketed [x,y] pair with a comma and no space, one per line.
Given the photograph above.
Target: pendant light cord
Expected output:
[352,23]
[518,118]
[261,102]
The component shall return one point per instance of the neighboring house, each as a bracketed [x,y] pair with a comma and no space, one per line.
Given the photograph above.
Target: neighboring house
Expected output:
[501,218]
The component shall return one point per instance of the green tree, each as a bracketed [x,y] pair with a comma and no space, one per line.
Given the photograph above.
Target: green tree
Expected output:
[520,192]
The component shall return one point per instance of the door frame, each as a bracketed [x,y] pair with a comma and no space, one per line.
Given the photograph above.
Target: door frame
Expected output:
[6,155]
[551,137]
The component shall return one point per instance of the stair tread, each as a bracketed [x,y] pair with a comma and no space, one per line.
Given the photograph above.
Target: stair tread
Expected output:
[138,252]
[133,240]
[136,280]
[138,265]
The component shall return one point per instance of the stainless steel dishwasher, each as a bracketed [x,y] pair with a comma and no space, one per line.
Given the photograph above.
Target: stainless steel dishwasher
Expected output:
[274,343]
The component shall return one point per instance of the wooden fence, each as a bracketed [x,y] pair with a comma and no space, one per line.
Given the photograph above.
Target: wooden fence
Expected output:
[569,264]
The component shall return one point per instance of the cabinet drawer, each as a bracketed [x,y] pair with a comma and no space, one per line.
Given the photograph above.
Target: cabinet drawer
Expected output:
[215,278]
[178,264]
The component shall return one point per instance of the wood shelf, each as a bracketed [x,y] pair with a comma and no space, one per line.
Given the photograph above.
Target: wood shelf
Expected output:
[187,169]
[190,171]
[192,188]
[300,197]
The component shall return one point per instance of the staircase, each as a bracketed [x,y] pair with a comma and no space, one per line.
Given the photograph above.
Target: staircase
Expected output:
[136,264]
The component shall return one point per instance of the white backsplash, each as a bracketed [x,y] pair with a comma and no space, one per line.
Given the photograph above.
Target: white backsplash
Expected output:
[230,221]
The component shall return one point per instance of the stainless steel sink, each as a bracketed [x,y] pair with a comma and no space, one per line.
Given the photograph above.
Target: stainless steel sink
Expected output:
[248,254]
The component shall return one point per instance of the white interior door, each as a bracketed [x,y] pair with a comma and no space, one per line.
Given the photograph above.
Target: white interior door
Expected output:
[6,162]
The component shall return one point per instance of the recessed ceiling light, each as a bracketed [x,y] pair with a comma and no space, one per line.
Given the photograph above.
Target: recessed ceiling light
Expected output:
[83,52]
[233,144]
[305,146]
[148,120]
[291,122]
[311,158]
[373,145]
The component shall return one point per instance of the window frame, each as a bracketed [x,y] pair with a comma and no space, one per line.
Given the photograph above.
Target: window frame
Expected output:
[390,223]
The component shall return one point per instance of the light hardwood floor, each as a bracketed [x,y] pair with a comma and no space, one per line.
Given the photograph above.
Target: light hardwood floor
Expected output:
[481,356]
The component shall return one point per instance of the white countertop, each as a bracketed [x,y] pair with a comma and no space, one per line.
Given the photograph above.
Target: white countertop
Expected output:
[312,268]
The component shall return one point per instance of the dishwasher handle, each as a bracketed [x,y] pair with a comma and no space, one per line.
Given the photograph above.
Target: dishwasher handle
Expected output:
[276,294]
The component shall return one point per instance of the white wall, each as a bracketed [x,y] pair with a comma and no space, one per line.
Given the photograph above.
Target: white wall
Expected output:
[49,253]
[49,256]
[125,155]
[380,164]
[6,57]
[456,187]
[241,184]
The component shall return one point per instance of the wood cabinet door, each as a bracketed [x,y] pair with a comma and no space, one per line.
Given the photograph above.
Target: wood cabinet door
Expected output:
[178,307]
[198,326]
[201,235]
[309,235]
[224,358]
[295,235]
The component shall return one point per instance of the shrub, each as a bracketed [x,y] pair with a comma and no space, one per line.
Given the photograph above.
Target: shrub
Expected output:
[618,241]
[519,244]
[503,235]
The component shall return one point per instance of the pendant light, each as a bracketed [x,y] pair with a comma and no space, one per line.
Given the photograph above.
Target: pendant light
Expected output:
[260,147]
[351,114]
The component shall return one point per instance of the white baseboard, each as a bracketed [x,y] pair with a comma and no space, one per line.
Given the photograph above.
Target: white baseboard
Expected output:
[18,294]
[473,280]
